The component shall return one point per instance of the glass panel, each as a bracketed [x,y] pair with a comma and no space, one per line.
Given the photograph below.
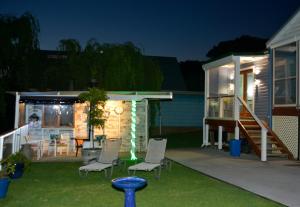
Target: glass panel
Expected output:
[228,107]
[213,107]
[221,80]
[250,90]
[66,116]
[51,115]
[285,74]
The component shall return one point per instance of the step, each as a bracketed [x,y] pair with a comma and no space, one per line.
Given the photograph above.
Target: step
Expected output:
[259,136]
[257,142]
[254,131]
[251,126]
[277,155]
[249,122]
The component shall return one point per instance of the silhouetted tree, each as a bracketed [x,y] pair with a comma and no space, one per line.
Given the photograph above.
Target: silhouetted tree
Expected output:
[193,75]
[243,44]
[18,56]
[109,66]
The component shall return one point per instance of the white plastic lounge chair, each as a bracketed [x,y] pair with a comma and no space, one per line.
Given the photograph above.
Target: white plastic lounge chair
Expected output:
[107,159]
[154,157]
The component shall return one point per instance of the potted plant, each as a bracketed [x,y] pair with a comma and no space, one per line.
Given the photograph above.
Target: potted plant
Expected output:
[20,163]
[7,168]
[95,99]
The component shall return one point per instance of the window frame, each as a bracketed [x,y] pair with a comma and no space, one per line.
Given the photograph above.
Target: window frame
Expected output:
[290,77]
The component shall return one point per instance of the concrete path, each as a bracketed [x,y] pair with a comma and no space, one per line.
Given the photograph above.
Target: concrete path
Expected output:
[278,180]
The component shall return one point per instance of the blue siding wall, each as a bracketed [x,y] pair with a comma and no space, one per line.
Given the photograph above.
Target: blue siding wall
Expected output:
[185,110]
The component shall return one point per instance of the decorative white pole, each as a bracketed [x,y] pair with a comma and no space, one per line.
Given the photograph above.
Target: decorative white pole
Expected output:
[133,129]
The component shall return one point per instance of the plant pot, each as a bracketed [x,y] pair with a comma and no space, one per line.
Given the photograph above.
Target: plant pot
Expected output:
[4,183]
[19,169]
[89,154]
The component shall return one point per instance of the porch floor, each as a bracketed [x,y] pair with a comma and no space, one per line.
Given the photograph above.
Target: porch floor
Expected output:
[278,180]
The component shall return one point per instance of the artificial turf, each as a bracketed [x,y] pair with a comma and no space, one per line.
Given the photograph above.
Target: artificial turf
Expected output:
[58,184]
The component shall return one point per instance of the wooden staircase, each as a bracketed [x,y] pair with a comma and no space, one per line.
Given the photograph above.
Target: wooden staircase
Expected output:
[252,132]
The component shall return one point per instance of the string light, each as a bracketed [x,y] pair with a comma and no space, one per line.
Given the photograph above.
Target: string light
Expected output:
[133,129]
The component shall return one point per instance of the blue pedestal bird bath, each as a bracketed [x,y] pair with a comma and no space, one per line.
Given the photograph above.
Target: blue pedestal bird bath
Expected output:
[129,185]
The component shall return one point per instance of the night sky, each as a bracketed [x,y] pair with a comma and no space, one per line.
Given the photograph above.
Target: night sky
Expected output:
[185,29]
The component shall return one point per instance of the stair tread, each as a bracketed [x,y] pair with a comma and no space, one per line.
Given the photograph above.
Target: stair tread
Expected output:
[277,155]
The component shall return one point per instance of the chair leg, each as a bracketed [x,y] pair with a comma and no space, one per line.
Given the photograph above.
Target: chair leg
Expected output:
[111,171]
[105,173]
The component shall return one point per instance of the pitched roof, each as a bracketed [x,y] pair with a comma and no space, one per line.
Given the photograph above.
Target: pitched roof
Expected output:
[289,32]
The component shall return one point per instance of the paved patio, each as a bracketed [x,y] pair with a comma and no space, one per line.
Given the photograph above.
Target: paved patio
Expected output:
[278,180]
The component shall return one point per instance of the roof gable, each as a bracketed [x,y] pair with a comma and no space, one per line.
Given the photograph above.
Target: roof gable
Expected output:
[290,32]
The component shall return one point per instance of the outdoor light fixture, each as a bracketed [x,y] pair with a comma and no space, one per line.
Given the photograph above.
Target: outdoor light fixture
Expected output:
[257,82]
[256,70]
[133,129]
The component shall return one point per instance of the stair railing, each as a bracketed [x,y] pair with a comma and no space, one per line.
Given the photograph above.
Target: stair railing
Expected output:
[263,151]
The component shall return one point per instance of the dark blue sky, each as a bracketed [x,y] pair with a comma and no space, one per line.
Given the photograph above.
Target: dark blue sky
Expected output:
[186,29]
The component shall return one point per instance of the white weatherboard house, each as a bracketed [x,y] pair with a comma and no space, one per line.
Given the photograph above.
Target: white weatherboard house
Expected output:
[284,49]
[257,97]
[59,112]
[236,102]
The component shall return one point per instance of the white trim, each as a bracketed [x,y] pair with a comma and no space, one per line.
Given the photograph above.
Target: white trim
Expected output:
[218,62]
[297,78]
[284,42]
[236,113]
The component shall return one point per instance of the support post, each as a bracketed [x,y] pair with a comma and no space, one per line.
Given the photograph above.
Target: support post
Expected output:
[220,133]
[236,132]
[263,144]
[203,133]
[206,134]
[16,124]
[146,123]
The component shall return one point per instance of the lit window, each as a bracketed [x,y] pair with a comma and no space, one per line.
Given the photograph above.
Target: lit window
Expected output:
[285,75]
[58,116]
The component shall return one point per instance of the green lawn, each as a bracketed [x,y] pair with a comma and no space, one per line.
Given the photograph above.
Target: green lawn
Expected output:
[184,140]
[58,184]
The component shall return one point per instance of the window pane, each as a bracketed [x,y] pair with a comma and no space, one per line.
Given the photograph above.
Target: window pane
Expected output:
[228,107]
[213,107]
[51,115]
[279,92]
[66,116]
[285,91]
[285,74]
[221,80]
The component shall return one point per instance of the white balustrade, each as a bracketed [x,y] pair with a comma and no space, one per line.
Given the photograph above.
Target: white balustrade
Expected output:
[17,137]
